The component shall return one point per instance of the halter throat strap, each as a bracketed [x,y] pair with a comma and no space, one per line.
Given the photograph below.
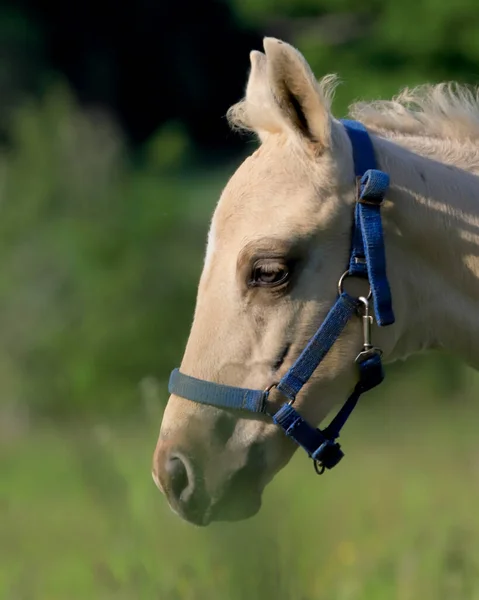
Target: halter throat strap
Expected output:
[367,260]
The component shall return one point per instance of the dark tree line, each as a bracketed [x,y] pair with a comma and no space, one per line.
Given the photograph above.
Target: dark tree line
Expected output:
[146,61]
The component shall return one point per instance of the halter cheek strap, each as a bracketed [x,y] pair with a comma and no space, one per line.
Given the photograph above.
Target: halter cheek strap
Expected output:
[367,260]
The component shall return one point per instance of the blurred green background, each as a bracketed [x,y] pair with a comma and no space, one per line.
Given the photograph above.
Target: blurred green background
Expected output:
[114,149]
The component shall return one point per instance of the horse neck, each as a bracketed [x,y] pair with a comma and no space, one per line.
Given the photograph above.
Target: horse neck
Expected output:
[431,225]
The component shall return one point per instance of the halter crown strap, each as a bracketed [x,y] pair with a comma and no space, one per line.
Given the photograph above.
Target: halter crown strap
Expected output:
[367,260]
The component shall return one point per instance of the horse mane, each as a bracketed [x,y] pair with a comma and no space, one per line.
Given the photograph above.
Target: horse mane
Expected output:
[446,111]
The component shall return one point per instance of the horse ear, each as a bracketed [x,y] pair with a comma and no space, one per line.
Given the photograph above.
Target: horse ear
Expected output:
[262,107]
[297,93]
[257,74]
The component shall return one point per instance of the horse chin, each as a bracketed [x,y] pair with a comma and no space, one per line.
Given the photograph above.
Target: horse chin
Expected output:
[240,510]
[225,510]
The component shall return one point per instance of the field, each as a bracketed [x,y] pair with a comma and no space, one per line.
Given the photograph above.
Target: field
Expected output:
[81,519]
[101,245]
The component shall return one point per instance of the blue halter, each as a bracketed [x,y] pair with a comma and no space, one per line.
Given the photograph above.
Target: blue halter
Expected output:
[367,260]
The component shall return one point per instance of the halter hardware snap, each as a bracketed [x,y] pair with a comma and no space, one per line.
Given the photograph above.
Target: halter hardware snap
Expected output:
[367,320]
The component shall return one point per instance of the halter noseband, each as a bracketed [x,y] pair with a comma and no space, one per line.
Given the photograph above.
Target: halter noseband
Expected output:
[367,260]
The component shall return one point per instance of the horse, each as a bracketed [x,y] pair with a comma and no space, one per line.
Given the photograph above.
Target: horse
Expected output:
[279,240]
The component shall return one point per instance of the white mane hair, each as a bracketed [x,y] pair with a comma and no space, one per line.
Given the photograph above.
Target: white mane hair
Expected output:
[445,111]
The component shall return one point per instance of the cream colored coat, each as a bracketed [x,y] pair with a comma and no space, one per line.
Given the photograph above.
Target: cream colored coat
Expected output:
[289,209]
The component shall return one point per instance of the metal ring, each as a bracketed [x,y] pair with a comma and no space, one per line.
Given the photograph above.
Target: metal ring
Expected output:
[275,385]
[344,276]
[271,386]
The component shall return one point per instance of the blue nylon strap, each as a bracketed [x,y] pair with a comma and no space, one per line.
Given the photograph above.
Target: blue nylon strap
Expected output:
[363,150]
[295,427]
[368,258]
[357,260]
[372,189]
[216,394]
[326,452]
[321,445]
[318,346]
[371,374]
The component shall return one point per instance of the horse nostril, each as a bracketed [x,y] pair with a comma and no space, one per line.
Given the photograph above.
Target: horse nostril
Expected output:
[179,481]
[177,477]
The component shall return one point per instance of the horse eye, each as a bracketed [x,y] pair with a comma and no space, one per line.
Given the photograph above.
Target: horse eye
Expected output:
[269,274]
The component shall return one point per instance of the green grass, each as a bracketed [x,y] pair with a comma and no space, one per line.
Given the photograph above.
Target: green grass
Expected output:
[80,517]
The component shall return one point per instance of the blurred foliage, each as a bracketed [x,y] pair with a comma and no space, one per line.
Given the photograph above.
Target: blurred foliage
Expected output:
[378,46]
[80,518]
[99,259]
